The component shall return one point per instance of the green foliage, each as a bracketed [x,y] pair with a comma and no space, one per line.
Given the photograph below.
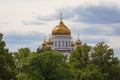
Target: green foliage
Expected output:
[45,66]
[80,57]
[43,49]
[91,72]
[97,63]
[20,55]
[6,62]
[79,60]
[103,56]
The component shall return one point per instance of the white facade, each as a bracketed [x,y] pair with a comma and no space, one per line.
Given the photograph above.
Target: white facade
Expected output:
[62,43]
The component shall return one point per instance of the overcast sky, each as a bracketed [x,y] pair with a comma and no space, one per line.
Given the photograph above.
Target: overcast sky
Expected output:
[25,22]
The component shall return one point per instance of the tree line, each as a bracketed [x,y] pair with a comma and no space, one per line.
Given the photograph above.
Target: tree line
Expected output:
[85,63]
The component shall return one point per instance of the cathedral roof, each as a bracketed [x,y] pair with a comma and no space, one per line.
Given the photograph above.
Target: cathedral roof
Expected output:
[61,29]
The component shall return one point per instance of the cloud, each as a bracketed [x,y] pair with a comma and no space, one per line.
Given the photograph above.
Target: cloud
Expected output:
[31,40]
[96,29]
[32,22]
[117,30]
[117,52]
[95,40]
[3,23]
[94,14]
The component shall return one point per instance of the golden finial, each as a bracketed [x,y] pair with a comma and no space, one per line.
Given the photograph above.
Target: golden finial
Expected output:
[61,16]
[78,36]
[78,42]
[50,40]
[49,36]
[44,42]
[44,37]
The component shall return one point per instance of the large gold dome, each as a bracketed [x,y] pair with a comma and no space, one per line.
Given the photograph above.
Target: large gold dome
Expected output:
[61,29]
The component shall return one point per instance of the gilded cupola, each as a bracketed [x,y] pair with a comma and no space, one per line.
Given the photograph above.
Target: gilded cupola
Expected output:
[50,40]
[61,29]
[72,43]
[78,42]
[44,42]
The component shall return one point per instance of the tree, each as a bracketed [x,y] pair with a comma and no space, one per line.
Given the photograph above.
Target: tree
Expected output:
[6,62]
[103,56]
[91,72]
[48,65]
[79,60]
[44,49]
[21,54]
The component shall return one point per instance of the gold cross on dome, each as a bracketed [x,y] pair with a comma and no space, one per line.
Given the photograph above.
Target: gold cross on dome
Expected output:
[78,36]
[44,37]
[61,16]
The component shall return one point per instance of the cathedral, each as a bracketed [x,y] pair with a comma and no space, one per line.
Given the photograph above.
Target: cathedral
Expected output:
[61,39]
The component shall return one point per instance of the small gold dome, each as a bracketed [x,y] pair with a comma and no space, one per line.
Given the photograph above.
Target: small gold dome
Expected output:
[44,43]
[78,42]
[49,41]
[61,29]
[72,43]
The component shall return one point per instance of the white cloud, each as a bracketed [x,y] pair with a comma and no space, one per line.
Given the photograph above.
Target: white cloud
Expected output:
[14,12]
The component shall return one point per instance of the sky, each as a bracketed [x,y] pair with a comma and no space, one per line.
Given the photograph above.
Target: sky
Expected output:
[24,22]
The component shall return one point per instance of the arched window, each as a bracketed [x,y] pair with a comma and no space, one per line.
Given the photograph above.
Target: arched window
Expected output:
[59,44]
[62,43]
[66,44]
[55,43]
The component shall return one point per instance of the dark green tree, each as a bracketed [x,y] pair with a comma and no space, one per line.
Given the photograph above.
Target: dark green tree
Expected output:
[79,60]
[91,72]
[20,55]
[103,56]
[43,49]
[6,62]
[48,65]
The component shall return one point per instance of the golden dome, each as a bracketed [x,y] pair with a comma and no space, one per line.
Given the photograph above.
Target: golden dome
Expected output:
[78,42]
[61,28]
[44,43]
[49,41]
[72,43]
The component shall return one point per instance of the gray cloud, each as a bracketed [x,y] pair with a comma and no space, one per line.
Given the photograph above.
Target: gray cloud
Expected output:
[103,29]
[94,41]
[116,31]
[18,40]
[117,52]
[26,38]
[49,18]
[94,15]
[32,22]
[4,22]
